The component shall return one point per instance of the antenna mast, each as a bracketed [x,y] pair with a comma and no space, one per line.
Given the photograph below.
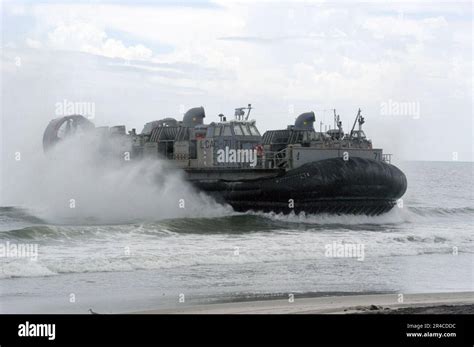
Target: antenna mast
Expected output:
[240,113]
[248,113]
[355,121]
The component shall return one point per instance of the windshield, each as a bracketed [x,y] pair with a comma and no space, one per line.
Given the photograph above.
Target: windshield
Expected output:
[238,130]
[227,131]
[246,130]
[254,130]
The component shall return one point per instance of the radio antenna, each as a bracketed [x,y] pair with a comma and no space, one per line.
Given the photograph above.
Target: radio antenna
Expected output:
[248,113]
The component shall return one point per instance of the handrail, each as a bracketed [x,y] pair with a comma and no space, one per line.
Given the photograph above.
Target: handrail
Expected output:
[387,158]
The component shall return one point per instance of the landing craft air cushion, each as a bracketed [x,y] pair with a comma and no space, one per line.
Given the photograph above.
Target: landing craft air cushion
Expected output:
[296,169]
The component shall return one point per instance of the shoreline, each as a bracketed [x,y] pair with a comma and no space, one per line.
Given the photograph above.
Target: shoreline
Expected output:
[438,303]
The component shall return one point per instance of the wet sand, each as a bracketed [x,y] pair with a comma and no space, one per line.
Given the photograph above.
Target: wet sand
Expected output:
[436,303]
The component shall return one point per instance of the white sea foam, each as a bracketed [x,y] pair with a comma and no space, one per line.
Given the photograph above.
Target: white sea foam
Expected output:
[394,216]
[130,247]
[75,183]
[23,268]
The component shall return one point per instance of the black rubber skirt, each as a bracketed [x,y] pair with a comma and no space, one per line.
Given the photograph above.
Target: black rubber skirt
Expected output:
[355,186]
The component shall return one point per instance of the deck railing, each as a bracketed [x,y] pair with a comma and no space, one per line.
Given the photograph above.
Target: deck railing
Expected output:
[386,157]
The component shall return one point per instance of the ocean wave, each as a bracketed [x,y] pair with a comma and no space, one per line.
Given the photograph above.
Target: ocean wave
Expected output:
[156,247]
[18,268]
[13,214]
[185,257]
[45,233]
[392,217]
[397,215]
[229,222]
[443,211]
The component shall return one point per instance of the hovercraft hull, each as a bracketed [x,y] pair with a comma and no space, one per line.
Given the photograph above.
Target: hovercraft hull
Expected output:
[355,186]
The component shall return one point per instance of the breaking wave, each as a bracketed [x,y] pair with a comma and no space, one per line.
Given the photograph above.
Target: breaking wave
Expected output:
[221,220]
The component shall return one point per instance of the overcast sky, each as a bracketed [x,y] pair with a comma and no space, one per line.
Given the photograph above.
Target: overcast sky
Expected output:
[408,66]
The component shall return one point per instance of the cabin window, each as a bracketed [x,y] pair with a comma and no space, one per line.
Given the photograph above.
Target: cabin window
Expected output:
[254,130]
[210,132]
[227,131]
[246,130]
[217,131]
[238,130]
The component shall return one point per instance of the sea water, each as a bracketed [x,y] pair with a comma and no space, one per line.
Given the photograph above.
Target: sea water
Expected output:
[123,253]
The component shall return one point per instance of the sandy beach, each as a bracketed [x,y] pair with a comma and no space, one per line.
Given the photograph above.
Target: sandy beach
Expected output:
[436,303]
